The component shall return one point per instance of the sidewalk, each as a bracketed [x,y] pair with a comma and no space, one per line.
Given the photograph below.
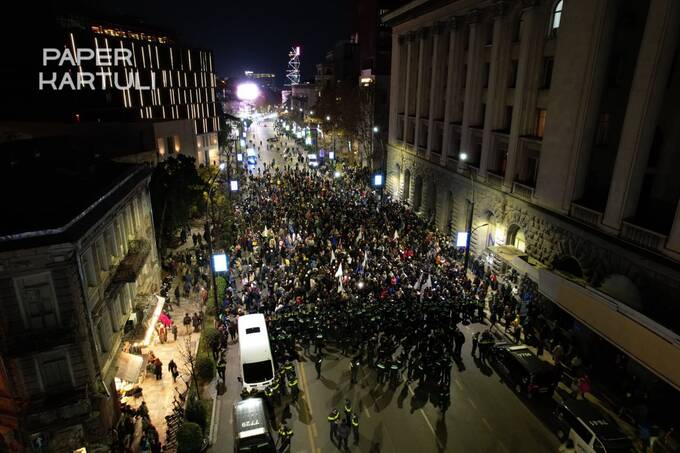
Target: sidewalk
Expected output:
[159,394]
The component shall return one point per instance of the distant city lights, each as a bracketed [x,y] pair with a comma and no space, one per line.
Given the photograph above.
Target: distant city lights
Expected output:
[247,91]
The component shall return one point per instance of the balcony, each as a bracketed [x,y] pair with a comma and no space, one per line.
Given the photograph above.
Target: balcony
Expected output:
[585,215]
[643,237]
[523,191]
[495,180]
[134,260]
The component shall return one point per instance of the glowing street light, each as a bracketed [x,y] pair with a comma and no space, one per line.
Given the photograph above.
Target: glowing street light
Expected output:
[233,185]
[239,157]
[328,117]
[222,165]
[336,173]
[463,156]
[247,91]
[378,180]
[375,129]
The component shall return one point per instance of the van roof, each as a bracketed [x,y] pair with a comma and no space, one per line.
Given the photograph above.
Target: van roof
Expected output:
[253,328]
[596,420]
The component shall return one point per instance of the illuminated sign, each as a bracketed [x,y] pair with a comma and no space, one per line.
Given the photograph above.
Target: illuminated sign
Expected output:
[461,239]
[220,262]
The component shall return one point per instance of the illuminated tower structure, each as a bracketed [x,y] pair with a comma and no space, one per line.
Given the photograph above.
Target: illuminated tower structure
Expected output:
[293,71]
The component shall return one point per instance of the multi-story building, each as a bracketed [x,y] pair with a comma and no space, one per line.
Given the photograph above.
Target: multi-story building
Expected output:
[165,80]
[565,113]
[77,262]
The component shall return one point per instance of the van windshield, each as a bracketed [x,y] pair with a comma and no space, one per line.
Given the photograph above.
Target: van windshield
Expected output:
[255,372]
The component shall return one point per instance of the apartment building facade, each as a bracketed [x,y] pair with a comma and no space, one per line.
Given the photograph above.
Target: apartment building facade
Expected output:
[69,282]
[553,119]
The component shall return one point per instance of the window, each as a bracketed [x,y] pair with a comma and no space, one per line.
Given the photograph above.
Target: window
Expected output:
[110,243]
[602,134]
[489,33]
[102,256]
[464,75]
[487,71]
[512,75]
[483,114]
[89,268]
[540,122]
[508,117]
[55,374]
[547,72]
[116,314]
[37,300]
[532,170]
[556,18]
[105,332]
[121,241]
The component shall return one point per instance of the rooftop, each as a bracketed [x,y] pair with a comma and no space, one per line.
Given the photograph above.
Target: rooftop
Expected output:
[51,189]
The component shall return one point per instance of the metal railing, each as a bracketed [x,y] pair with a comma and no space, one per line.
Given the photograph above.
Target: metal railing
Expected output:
[642,236]
[586,215]
[523,191]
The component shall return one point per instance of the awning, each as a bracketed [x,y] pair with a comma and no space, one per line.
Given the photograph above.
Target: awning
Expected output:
[129,367]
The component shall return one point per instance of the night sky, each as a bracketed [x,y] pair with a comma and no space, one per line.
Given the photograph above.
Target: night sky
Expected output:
[253,35]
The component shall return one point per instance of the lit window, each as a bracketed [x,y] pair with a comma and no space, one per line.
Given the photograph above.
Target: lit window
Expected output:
[556,16]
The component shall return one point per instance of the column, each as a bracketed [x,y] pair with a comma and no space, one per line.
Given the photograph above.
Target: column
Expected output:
[642,112]
[424,54]
[495,95]
[395,83]
[435,89]
[524,100]
[410,37]
[582,54]
[452,81]
[473,93]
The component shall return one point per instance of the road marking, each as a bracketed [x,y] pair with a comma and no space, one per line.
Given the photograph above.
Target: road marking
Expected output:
[472,403]
[432,429]
[503,447]
[368,414]
[311,428]
[486,423]
[458,384]
[314,429]
[427,420]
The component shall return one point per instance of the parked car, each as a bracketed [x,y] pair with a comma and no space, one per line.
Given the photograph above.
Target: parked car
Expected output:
[530,375]
[589,428]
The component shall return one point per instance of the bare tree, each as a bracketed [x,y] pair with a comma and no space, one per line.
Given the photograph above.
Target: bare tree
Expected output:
[189,360]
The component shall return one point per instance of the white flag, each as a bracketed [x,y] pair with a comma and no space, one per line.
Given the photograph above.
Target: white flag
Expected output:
[365,262]
[265,233]
[360,236]
[332,256]
[339,271]
[396,235]
[417,285]
[341,289]
[428,284]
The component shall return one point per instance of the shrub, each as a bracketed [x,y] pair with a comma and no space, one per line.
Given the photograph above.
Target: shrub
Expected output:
[196,413]
[189,438]
[221,283]
[212,336]
[205,368]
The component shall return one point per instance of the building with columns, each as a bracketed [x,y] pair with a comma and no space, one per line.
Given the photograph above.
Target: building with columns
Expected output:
[554,120]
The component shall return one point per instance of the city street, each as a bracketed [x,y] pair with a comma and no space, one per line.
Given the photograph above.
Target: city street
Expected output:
[486,415]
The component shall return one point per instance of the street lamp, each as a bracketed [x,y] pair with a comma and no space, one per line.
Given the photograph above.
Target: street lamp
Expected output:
[376,129]
[328,117]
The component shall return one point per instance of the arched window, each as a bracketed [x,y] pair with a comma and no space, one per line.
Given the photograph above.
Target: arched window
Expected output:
[556,17]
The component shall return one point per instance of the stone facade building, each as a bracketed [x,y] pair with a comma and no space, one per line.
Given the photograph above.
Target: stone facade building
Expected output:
[73,272]
[555,119]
